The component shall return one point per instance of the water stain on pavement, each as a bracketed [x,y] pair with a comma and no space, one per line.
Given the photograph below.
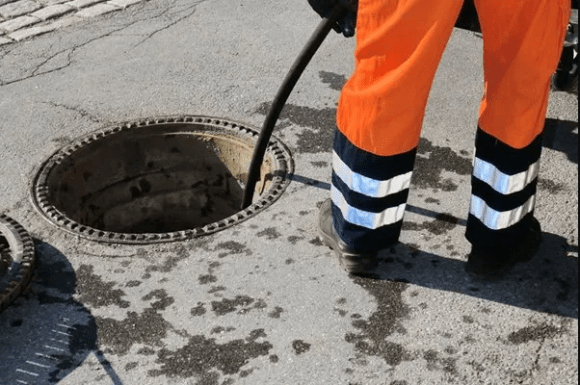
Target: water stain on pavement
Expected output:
[164,301]
[204,358]
[221,330]
[334,81]
[300,347]
[170,263]
[92,290]
[432,161]
[147,328]
[270,233]
[199,310]
[293,239]
[276,313]
[242,304]
[321,123]
[232,247]
[372,335]
[535,333]
[442,224]
[550,186]
[436,363]
[320,164]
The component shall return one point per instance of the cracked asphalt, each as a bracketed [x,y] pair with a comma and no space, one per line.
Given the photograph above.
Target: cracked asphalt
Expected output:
[264,302]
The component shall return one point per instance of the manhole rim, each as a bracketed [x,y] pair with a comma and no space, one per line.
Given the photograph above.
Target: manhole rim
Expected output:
[280,182]
[21,246]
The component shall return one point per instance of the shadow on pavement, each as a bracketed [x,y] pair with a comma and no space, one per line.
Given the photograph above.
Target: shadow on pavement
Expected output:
[559,135]
[548,283]
[46,334]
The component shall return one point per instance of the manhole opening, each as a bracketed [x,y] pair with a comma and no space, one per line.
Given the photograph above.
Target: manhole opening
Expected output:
[158,180]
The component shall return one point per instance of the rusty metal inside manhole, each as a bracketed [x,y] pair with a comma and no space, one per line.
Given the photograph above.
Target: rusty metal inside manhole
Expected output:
[158,180]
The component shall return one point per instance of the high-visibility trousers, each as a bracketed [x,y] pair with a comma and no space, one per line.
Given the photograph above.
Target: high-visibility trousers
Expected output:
[382,106]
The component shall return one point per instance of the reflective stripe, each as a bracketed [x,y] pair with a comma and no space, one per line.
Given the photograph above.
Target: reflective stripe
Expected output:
[366,219]
[367,186]
[496,220]
[503,183]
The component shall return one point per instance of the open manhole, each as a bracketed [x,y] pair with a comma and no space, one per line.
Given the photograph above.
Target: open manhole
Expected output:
[158,180]
[16,260]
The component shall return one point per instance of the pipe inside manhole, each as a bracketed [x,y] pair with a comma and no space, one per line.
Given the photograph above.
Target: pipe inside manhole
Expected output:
[158,180]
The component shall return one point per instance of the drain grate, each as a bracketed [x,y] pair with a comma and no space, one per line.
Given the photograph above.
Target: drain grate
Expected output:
[16,260]
[158,180]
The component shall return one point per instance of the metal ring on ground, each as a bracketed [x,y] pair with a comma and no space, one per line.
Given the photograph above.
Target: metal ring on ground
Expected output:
[158,180]
[16,260]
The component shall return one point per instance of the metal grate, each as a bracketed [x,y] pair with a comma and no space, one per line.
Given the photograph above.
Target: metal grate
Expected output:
[142,149]
[16,260]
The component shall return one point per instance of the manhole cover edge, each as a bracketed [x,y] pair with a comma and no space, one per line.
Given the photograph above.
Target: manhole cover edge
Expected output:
[21,246]
[280,153]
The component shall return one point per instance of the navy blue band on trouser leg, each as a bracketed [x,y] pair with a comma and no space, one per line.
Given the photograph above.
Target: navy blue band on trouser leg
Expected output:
[369,195]
[504,186]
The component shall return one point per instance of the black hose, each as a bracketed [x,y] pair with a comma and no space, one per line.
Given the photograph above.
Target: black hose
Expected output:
[283,93]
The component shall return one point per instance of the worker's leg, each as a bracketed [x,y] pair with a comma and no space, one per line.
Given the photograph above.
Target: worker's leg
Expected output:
[522,45]
[380,114]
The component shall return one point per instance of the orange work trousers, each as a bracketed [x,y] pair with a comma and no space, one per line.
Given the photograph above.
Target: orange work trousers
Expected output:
[381,110]
[400,44]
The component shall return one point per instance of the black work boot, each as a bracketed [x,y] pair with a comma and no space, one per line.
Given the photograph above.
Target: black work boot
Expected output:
[351,261]
[492,264]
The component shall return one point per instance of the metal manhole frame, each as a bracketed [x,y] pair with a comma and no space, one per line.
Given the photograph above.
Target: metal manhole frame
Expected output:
[284,170]
[21,248]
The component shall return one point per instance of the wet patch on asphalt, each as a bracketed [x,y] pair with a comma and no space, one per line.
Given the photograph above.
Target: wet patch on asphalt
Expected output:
[276,313]
[293,239]
[300,347]
[199,310]
[270,233]
[535,333]
[206,279]
[320,164]
[373,332]
[316,242]
[232,248]
[92,290]
[241,304]
[321,123]
[432,161]
[147,328]
[207,360]
[334,81]
[181,253]
[551,186]
[221,330]
[442,224]
[437,363]
[163,300]
[216,290]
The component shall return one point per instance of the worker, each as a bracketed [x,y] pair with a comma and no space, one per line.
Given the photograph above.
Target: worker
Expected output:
[399,44]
